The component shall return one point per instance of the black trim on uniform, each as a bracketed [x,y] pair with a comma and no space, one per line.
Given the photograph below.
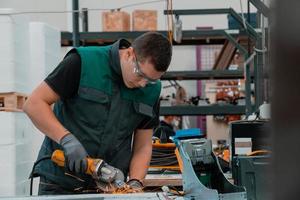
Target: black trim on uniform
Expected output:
[115,56]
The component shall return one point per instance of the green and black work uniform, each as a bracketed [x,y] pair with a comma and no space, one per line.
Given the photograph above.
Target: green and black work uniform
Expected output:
[102,113]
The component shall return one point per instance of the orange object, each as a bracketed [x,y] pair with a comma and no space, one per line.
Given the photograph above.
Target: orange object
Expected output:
[163,145]
[59,158]
[226,155]
[116,21]
[144,20]
[177,168]
[259,152]
[180,163]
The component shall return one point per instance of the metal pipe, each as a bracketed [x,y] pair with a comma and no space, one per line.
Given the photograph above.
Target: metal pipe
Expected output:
[75,16]
[85,20]
[248,84]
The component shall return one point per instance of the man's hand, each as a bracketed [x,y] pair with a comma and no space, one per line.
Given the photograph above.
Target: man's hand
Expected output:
[135,185]
[75,154]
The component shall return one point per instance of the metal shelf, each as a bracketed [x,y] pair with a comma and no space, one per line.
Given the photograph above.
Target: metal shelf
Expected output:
[202,110]
[229,11]
[203,75]
[189,37]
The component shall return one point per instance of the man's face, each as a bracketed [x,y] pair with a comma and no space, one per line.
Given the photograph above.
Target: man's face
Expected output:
[137,73]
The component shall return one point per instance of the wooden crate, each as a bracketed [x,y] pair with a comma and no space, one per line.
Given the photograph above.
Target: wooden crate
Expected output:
[115,21]
[12,101]
[144,20]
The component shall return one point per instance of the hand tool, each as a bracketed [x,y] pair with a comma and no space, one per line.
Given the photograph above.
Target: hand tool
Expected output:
[107,178]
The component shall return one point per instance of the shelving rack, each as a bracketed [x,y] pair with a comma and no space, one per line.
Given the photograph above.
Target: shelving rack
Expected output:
[191,37]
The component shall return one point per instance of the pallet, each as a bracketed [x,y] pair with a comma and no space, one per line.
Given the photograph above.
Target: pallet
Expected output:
[12,101]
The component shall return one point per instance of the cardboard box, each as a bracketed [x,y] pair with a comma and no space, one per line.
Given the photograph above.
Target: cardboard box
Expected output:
[243,146]
[115,21]
[144,20]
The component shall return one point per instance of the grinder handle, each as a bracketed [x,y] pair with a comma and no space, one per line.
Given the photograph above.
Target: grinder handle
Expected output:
[58,157]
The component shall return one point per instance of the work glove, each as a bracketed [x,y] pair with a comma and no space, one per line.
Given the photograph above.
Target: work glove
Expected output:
[135,185]
[75,154]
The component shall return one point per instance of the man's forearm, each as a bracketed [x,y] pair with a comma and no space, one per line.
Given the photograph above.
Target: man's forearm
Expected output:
[140,163]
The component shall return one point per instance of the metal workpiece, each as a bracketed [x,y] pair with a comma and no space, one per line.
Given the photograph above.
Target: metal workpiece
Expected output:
[198,150]
[202,175]
[136,196]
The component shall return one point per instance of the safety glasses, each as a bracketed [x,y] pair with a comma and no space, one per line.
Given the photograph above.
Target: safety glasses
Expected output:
[137,71]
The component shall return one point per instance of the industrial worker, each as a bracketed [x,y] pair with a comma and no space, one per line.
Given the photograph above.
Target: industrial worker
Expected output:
[166,128]
[105,106]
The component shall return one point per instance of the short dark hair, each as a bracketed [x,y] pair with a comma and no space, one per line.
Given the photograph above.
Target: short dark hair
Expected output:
[155,47]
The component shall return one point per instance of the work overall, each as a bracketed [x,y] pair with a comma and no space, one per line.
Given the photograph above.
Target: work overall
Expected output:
[103,116]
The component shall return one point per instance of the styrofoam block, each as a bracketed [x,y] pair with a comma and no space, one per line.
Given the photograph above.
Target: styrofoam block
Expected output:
[7,74]
[23,188]
[23,171]
[6,41]
[23,153]
[27,152]
[14,50]
[8,174]
[7,190]
[15,128]
[15,173]
[7,132]
[45,51]
[20,189]
[8,154]
[36,143]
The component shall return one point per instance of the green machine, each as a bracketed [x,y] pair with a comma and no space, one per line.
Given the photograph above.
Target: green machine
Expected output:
[253,173]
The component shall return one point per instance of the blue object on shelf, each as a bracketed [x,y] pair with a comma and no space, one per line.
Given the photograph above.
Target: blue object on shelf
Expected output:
[233,24]
[187,133]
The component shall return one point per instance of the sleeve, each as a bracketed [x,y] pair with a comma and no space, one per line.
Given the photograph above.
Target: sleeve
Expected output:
[151,122]
[64,79]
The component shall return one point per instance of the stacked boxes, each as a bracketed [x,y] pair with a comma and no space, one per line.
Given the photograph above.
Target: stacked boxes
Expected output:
[29,51]
[44,51]
[14,59]
[144,20]
[16,152]
[116,21]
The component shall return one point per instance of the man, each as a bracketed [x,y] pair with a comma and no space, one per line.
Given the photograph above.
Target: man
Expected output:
[104,97]
[166,128]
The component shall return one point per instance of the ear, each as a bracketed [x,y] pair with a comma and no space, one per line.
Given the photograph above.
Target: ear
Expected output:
[126,53]
[130,51]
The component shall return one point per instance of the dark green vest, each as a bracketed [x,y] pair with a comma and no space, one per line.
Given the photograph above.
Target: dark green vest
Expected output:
[103,115]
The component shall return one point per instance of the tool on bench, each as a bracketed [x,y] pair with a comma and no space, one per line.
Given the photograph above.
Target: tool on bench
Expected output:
[107,178]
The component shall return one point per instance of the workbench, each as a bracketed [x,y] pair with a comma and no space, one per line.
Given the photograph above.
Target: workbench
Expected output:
[137,196]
